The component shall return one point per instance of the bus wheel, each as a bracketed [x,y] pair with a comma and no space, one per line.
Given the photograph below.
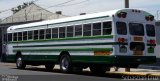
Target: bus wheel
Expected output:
[49,67]
[99,69]
[65,64]
[20,63]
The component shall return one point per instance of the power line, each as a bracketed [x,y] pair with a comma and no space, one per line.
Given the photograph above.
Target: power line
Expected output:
[70,4]
[61,3]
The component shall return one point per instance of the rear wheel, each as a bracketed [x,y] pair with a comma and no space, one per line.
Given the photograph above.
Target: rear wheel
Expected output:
[20,63]
[65,64]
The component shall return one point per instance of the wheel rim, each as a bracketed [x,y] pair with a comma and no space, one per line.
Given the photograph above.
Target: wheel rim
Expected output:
[65,63]
[19,61]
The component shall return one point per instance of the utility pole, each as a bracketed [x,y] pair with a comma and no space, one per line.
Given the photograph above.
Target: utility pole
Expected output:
[126,3]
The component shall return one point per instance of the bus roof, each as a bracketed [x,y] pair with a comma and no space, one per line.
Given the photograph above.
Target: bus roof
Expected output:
[67,19]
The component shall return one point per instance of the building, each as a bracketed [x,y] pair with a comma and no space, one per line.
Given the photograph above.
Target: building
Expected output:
[26,13]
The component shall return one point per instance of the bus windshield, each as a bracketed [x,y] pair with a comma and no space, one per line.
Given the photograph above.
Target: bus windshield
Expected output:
[150,30]
[136,29]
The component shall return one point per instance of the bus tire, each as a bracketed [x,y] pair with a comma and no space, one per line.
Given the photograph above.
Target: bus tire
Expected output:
[99,69]
[49,67]
[65,64]
[20,64]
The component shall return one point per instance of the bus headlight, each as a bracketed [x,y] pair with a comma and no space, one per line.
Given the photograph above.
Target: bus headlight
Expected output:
[123,49]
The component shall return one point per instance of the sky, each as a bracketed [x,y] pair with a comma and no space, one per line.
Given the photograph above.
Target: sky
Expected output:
[75,7]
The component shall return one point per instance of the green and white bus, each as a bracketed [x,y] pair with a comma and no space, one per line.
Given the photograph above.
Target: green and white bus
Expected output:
[121,38]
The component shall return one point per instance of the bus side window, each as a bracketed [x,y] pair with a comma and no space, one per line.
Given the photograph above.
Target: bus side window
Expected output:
[30,35]
[96,29]
[87,30]
[107,28]
[25,35]
[19,36]
[9,36]
[15,37]
[70,31]
[55,33]
[48,33]
[62,32]
[78,30]
[35,34]
[41,34]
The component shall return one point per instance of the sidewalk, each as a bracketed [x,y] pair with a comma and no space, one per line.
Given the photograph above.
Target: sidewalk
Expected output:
[121,71]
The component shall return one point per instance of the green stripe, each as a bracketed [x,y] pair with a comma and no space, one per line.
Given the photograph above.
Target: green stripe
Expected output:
[79,44]
[50,50]
[116,60]
[62,39]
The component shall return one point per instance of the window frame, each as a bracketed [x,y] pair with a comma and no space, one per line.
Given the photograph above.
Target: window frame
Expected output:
[106,28]
[125,28]
[78,31]
[97,29]
[87,30]
[72,32]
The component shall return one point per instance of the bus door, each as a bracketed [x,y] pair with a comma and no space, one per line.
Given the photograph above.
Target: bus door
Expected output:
[122,38]
[137,39]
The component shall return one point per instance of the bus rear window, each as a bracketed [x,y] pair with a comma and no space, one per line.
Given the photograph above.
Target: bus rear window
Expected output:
[136,29]
[150,30]
[121,28]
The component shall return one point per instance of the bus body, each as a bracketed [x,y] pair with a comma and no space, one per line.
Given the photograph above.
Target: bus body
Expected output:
[121,38]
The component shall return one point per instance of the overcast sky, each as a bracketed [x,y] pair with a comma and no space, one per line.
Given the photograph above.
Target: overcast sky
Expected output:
[80,6]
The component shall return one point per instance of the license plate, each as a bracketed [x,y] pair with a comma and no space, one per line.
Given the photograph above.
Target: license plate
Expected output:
[138,38]
[138,52]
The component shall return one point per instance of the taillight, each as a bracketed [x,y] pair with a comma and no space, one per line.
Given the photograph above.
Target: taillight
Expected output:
[122,40]
[149,18]
[151,41]
[122,15]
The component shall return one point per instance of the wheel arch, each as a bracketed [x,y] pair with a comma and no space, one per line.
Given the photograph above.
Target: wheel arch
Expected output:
[63,53]
[18,53]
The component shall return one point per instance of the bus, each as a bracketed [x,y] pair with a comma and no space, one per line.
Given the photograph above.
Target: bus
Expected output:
[120,38]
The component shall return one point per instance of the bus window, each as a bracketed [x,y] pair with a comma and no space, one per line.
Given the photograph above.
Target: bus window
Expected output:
[136,29]
[19,36]
[55,33]
[9,36]
[35,34]
[48,33]
[70,31]
[30,35]
[25,35]
[41,34]
[78,30]
[87,30]
[62,32]
[150,30]
[15,37]
[96,29]
[107,28]
[121,28]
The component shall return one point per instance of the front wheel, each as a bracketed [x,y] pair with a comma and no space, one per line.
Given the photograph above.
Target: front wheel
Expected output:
[20,63]
[65,64]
